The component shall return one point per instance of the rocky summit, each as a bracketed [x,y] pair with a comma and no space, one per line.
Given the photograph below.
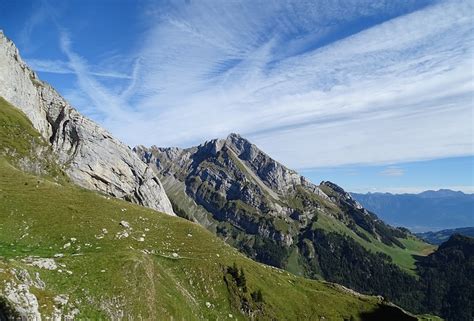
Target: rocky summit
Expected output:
[91,156]
[235,183]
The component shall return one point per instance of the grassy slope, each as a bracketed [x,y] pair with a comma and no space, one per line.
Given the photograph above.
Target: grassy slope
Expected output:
[402,257]
[106,276]
[16,131]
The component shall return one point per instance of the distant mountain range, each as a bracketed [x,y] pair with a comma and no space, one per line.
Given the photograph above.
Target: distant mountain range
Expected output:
[426,211]
[443,235]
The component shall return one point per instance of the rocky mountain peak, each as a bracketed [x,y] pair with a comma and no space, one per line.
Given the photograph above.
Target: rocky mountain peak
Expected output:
[235,136]
[238,141]
[275,175]
[234,141]
[95,159]
[213,146]
[341,193]
[244,149]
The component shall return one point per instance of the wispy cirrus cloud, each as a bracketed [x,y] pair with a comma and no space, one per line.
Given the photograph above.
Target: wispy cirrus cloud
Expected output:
[313,83]
[105,101]
[392,171]
[63,67]
[39,16]
[414,189]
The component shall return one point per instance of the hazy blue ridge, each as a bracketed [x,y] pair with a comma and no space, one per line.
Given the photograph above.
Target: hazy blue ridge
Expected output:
[426,211]
[442,236]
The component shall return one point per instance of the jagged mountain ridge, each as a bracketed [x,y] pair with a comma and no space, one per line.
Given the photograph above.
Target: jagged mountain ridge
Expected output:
[255,180]
[91,156]
[275,176]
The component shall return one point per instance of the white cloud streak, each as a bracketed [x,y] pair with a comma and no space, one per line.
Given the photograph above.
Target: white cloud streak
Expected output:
[414,189]
[39,16]
[63,67]
[103,99]
[392,171]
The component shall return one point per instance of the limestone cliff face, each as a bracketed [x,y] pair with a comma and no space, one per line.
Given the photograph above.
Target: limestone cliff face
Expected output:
[271,176]
[276,176]
[91,156]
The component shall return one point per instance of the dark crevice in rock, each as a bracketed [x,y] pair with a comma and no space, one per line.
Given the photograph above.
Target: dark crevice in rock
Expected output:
[55,125]
[7,312]
[138,197]
[101,179]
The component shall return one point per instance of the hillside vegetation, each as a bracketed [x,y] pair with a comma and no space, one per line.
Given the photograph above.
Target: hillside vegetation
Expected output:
[446,276]
[72,252]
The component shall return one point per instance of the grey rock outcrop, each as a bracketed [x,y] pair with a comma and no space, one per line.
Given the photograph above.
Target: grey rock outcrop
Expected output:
[273,174]
[20,299]
[343,195]
[91,157]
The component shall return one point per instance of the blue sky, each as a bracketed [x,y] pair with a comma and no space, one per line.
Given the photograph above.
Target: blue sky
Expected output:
[411,177]
[374,95]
